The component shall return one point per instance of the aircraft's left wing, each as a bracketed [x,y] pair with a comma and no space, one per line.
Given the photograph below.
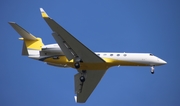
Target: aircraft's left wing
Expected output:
[84,89]
[70,46]
[73,48]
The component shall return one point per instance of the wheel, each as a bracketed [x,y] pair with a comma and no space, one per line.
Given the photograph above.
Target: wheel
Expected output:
[152,70]
[77,65]
[82,78]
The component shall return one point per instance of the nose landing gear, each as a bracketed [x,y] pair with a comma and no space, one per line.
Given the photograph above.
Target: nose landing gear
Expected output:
[152,69]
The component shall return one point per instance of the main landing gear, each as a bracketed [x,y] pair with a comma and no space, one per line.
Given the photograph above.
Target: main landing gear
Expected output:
[77,62]
[82,77]
[152,69]
[77,65]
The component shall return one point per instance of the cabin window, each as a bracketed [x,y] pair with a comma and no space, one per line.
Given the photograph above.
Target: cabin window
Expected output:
[111,54]
[98,54]
[104,54]
[118,54]
[125,54]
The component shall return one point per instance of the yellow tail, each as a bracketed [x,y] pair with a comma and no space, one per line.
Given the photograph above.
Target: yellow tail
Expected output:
[30,41]
[33,44]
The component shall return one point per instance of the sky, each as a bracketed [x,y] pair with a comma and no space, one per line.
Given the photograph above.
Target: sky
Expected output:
[145,26]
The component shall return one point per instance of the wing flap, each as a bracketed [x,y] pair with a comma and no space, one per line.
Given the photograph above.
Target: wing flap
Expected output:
[64,48]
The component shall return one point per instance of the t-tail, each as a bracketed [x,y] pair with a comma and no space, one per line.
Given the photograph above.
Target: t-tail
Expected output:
[31,44]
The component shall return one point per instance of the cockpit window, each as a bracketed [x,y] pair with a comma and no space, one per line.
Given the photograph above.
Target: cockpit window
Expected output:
[151,54]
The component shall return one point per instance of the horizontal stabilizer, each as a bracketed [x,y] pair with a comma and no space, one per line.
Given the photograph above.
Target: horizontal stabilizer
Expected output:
[31,42]
[24,34]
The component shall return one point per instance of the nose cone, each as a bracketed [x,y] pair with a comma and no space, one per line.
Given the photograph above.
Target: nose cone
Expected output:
[162,62]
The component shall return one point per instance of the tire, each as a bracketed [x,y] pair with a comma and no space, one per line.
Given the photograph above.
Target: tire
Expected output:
[82,78]
[77,65]
[152,72]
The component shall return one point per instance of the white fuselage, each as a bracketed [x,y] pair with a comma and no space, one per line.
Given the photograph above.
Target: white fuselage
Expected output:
[113,58]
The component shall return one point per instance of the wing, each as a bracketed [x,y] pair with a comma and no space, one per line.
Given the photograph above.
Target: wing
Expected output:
[84,90]
[73,48]
[70,46]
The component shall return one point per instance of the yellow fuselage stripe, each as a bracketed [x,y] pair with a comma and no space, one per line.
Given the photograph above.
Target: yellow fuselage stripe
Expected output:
[92,66]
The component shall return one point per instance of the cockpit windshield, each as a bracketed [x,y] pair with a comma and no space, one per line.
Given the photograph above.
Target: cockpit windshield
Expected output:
[151,54]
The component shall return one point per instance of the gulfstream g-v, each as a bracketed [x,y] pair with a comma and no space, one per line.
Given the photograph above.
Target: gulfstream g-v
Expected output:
[70,52]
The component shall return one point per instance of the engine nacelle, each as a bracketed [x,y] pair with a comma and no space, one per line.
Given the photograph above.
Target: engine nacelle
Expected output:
[52,49]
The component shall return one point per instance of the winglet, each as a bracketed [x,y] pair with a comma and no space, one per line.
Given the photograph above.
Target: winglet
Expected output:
[75,97]
[43,13]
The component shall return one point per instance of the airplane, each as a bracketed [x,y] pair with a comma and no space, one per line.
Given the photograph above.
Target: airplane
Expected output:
[70,52]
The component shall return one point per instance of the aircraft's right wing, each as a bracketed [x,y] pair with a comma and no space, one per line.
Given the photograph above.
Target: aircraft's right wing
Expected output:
[70,46]
[73,48]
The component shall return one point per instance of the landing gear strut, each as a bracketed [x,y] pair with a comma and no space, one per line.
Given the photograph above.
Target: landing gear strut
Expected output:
[152,70]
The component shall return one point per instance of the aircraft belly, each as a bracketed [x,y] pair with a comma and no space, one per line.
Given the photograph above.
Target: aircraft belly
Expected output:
[84,66]
[94,66]
[56,60]
[117,62]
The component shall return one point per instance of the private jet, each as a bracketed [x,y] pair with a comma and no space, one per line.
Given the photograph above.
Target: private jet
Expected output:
[70,52]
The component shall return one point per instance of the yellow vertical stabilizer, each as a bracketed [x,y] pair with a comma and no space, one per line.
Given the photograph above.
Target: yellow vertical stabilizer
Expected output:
[33,44]
[30,41]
